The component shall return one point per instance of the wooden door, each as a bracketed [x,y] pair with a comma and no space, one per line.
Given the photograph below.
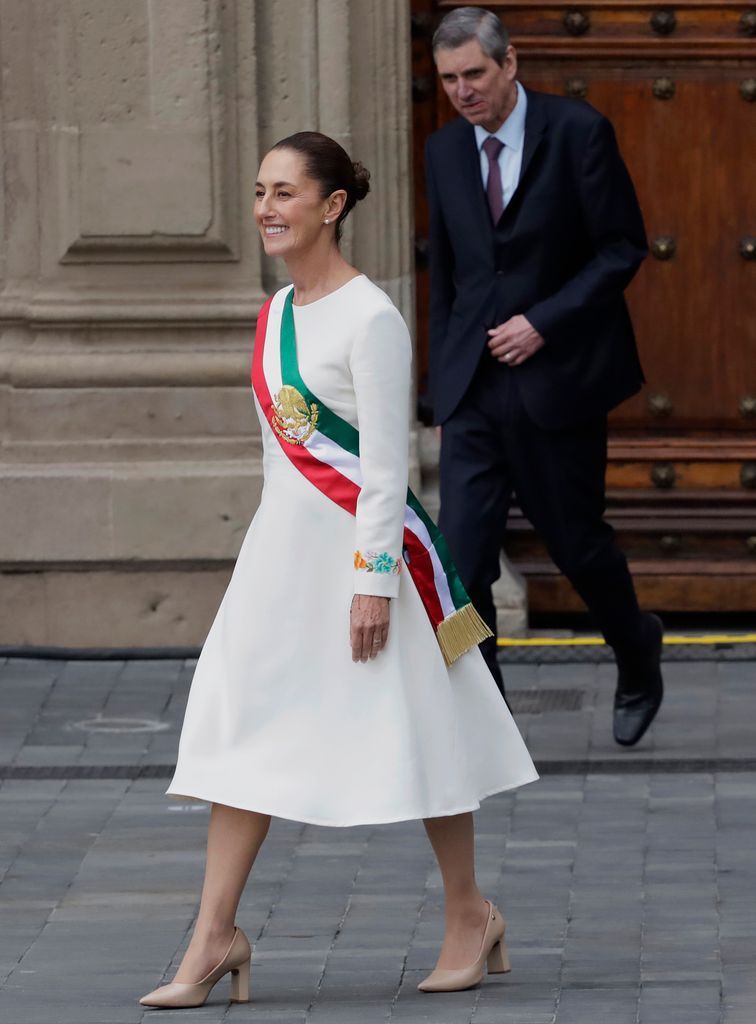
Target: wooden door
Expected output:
[679,84]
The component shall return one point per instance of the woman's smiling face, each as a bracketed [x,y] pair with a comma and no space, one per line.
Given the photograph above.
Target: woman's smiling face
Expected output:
[289,207]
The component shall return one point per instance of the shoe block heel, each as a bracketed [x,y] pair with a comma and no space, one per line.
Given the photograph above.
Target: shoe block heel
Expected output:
[498,959]
[240,983]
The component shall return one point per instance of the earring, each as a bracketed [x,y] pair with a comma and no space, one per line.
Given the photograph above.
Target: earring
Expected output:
[327,220]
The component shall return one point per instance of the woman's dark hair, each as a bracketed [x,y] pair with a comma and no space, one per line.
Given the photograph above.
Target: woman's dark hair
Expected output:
[329,164]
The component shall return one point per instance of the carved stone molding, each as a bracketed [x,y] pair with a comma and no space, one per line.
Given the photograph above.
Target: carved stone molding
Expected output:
[145,141]
[129,136]
[48,309]
[104,369]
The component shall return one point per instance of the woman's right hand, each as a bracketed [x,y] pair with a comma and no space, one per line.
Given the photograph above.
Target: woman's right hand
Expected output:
[368,626]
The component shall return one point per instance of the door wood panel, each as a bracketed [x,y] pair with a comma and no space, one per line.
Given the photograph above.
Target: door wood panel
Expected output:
[685,155]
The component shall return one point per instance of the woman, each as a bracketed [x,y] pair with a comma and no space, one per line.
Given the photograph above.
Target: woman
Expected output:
[340,683]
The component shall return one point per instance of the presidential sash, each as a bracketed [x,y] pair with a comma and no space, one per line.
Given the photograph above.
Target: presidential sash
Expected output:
[326,449]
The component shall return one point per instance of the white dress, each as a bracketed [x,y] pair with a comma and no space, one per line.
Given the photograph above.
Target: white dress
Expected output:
[279,719]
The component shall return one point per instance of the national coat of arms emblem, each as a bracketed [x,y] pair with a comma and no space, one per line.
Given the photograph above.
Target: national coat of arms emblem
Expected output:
[293,419]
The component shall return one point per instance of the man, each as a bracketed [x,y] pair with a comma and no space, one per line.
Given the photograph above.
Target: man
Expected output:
[535,231]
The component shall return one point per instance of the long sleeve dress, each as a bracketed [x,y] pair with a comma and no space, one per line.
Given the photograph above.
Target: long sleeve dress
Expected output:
[279,719]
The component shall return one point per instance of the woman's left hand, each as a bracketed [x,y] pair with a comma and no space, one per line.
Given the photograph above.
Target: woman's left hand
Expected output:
[369,626]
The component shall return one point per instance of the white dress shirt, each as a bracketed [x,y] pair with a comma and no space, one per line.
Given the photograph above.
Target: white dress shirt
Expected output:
[512,134]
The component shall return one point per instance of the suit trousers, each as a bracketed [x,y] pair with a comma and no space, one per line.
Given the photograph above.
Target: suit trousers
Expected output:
[491,450]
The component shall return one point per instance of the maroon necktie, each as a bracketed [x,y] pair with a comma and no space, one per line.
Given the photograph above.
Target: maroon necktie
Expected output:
[492,147]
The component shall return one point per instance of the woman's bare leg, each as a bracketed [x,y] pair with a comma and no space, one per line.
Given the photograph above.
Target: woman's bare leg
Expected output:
[234,838]
[453,842]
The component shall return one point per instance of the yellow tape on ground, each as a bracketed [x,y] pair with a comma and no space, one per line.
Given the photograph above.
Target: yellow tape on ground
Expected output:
[596,641]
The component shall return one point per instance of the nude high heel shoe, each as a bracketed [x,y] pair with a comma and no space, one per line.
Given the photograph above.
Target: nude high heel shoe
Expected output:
[181,995]
[493,954]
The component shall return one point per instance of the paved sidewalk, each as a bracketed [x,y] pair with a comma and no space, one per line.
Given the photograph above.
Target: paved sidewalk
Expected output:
[627,877]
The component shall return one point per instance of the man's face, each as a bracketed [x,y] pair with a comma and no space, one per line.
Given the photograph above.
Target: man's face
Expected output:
[481,90]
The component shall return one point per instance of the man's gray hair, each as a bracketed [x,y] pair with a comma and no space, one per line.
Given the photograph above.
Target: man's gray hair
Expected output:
[467,23]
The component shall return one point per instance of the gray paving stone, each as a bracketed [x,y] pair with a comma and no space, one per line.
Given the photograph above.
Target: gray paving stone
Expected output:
[685,1002]
[628,897]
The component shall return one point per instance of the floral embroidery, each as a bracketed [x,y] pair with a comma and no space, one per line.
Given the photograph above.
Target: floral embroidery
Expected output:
[372,561]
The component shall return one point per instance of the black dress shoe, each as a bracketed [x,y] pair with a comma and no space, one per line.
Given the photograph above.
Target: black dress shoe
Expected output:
[640,688]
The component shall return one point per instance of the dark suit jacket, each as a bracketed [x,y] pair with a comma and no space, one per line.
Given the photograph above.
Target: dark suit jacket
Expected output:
[566,246]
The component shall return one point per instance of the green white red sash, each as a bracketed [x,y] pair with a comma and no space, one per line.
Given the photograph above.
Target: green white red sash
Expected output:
[325,448]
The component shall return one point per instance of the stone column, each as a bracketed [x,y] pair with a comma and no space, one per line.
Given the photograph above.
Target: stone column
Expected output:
[343,67]
[130,279]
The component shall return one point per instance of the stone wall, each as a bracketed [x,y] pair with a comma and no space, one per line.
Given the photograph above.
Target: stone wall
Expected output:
[131,275]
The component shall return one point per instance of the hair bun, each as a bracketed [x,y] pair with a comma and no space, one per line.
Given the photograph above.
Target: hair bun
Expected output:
[361,180]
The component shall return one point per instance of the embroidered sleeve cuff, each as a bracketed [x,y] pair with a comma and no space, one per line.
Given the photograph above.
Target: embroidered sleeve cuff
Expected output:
[376,573]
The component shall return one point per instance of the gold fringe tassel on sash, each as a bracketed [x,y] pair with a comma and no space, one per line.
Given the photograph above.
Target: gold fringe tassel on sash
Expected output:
[461,631]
